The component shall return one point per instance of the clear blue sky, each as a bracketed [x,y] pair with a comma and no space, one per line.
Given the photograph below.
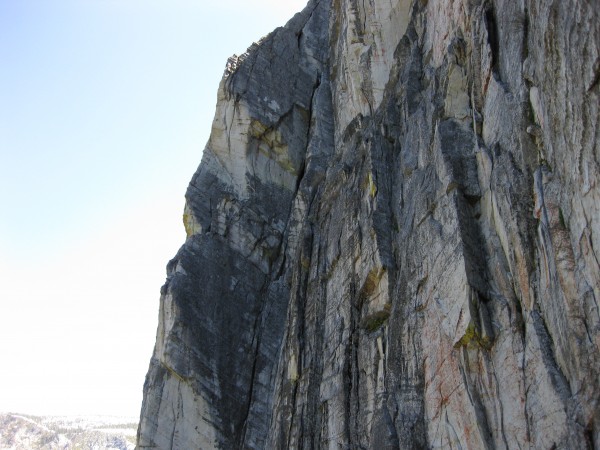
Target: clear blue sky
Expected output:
[105,107]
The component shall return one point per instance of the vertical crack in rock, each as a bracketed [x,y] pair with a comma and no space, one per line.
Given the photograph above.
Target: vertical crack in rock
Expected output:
[393,237]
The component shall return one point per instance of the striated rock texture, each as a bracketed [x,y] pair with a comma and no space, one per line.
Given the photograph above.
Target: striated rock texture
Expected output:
[393,237]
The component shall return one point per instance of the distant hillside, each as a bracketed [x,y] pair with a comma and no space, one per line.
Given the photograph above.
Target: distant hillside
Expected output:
[25,432]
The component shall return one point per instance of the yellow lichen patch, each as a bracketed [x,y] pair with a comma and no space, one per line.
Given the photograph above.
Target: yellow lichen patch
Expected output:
[267,135]
[173,372]
[190,224]
[372,186]
[305,263]
[369,185]
[258,129]
[272,145]
[186,224]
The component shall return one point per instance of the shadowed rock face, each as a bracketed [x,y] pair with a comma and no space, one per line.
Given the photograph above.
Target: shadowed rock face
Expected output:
[393,237]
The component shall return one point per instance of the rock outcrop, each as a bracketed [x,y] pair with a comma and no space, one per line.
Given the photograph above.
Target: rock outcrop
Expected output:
[393,237]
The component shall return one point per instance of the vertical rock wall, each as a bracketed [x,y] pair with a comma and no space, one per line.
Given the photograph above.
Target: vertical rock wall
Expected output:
[393,237]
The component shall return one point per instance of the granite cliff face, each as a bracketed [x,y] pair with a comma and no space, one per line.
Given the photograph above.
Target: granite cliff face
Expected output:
[393,237]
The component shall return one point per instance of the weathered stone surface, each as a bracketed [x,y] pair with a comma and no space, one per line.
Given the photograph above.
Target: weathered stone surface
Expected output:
[393,237]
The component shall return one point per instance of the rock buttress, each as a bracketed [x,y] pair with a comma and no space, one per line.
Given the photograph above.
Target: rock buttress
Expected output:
[224,305]
[393,237]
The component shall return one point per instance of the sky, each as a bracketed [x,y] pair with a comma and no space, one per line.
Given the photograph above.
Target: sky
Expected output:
[105,107]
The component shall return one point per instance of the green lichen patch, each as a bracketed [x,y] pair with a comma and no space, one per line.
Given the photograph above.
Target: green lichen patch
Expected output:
[375,321]
[371,282]
[474,338]
[453,185]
